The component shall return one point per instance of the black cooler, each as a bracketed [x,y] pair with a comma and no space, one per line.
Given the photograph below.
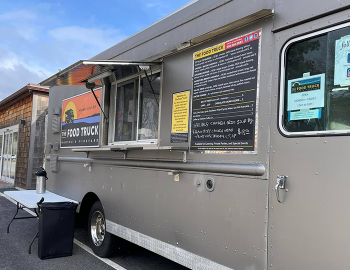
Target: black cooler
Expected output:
[56,229]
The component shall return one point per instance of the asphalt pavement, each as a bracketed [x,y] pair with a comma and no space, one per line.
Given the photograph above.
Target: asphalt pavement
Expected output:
[14,249]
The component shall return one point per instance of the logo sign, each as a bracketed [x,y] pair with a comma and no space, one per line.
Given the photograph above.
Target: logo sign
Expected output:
[81,121]
[304,85]
[306,92]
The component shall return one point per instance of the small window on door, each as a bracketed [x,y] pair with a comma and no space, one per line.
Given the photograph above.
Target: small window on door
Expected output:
[316,82]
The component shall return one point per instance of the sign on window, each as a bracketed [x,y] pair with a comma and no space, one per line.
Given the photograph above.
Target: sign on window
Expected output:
[342,61]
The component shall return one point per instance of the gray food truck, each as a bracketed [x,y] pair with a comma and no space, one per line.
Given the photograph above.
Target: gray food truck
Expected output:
[217,137]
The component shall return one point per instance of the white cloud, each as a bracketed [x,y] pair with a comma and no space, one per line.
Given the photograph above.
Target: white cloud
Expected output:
[21,23]
[32,51]
[10,62]
[95,37]
[28,33]
[18,15]
[18,76]
[38,39]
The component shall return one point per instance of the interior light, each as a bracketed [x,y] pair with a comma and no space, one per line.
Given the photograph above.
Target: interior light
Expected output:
[183,45]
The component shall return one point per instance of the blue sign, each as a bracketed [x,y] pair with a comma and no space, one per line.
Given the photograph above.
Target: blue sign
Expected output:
[305,114]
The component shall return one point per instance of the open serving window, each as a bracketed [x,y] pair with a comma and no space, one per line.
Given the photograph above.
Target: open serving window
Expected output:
[134,108]
[123,96]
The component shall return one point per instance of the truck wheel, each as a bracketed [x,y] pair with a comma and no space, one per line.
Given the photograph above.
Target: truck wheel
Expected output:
[101,242]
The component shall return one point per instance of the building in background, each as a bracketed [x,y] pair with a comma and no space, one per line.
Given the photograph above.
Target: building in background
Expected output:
[22,135]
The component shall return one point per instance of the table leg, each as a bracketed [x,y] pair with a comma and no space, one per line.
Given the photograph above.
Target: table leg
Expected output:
[8,227]
[19,206]
[31,243]
[14,217]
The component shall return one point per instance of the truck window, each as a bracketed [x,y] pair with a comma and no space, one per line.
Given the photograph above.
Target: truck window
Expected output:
[126,113]
[149,108]
[316,83]
[137,109]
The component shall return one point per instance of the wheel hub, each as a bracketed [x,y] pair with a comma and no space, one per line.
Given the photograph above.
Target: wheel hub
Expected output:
[97,228]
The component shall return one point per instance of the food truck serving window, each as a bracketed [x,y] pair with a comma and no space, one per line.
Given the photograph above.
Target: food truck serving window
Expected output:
[135,109]
[316,81]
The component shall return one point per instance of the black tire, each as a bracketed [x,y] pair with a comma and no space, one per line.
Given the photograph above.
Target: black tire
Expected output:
[108,246]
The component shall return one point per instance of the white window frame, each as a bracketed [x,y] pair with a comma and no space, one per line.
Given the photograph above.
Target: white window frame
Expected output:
[112,114]
[3,131]
[282,86]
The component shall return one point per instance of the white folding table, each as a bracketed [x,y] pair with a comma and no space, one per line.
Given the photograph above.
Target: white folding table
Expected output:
[30,199]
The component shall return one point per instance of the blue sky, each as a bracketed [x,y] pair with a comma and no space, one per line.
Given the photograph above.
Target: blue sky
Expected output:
[38,38]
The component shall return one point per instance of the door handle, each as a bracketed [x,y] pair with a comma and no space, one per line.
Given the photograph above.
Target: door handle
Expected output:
[281,184]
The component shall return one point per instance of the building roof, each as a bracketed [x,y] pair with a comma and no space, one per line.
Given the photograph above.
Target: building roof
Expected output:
[22,92]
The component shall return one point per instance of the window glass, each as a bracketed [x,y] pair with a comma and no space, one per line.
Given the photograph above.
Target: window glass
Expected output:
[317,83]
[149,108]
[14,155]
[124,71]
[5,157]
[6,144]
[135,107]
[1,139]
[126,112]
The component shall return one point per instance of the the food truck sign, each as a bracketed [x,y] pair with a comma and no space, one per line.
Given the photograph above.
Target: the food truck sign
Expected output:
[81,121]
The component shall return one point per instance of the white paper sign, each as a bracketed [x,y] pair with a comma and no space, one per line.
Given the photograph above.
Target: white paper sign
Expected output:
[306,93]
[342,61]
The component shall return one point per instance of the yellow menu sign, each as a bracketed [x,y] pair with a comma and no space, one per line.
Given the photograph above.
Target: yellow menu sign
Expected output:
[179,123]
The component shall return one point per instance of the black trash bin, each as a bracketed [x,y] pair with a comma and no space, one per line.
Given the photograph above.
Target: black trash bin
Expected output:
[56,229]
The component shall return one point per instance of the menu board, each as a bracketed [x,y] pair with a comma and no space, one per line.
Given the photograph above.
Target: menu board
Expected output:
[224,95]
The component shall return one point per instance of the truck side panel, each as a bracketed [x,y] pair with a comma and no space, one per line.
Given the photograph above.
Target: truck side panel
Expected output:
[227,226]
